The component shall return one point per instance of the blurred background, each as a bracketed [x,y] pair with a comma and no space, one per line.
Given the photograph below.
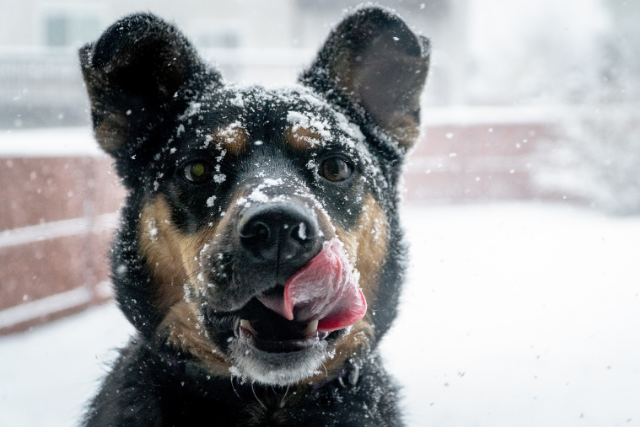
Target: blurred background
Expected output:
[531,133]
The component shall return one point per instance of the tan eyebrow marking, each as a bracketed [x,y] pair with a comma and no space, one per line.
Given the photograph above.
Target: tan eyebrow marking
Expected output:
[232,138]
[302,138]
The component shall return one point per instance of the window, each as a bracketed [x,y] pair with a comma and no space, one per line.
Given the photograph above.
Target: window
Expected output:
[70,27]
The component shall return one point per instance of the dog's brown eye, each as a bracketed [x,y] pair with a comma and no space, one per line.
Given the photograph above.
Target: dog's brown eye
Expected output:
[197,171]
[335,169]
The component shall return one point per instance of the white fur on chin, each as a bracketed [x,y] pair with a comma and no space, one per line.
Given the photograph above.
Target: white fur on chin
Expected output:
[276,368]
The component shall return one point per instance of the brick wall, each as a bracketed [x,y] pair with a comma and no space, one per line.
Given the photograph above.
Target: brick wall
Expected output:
[477,162]
[57,217]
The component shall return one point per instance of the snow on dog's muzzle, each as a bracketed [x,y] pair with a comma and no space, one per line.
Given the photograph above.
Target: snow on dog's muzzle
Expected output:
[326,290]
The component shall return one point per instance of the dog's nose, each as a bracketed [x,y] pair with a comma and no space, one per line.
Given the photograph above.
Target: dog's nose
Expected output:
[284,234]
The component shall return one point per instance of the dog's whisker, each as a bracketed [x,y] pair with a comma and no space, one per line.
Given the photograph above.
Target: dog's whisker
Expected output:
[284,397]
[233,386]
[256,396]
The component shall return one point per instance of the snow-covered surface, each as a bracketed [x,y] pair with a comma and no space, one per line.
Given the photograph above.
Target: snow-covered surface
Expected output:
[513,315]
[519,315]
[49,142]
[47,374]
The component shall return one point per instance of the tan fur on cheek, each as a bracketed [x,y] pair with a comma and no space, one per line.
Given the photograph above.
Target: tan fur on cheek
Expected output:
[160,244]
[366,246]
[173,258]
[194,247]
[183,328]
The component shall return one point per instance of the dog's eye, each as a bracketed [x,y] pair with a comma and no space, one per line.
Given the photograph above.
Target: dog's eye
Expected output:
[335,169]
[197,171]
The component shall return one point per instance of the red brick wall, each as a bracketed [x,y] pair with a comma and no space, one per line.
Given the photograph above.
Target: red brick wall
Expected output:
[57,218]
[477,162]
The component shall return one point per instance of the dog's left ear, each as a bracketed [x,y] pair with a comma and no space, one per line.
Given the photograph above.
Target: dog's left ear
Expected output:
[140,69]
[376,67]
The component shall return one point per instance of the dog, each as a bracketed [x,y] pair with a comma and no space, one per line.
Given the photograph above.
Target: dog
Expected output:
[260,256]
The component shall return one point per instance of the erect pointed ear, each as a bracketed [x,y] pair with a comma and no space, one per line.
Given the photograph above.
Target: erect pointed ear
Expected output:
[140,68]
[374,65]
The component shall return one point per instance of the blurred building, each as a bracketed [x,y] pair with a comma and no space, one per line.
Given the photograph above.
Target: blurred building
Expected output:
[250,40]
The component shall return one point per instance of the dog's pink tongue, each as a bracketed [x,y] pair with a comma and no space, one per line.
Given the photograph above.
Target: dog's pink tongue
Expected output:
[325,289]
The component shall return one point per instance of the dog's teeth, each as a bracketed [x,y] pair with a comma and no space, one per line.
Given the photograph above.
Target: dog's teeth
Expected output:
[247,325]
[311,329]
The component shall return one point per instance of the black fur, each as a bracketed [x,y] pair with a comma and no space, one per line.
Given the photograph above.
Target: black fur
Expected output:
[154,105]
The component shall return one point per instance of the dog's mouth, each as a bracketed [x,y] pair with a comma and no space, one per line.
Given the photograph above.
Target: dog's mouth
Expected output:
[297,341]
[322,297]
[283,334]
[270,332]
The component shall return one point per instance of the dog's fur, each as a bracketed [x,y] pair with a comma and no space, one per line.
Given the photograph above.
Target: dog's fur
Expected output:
[199,157]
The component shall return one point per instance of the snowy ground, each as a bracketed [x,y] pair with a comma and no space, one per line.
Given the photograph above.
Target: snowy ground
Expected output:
[514,315]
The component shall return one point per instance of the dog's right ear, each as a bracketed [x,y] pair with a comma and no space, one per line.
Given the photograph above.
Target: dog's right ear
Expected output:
[374,62]
[139,69]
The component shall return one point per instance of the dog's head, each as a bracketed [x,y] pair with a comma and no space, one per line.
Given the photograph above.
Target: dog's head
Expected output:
[260,235]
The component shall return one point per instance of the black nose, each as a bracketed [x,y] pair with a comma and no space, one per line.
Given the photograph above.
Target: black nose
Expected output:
[284,235]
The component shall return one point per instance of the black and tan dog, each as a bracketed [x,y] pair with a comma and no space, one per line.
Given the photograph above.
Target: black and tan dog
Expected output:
[260,256]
